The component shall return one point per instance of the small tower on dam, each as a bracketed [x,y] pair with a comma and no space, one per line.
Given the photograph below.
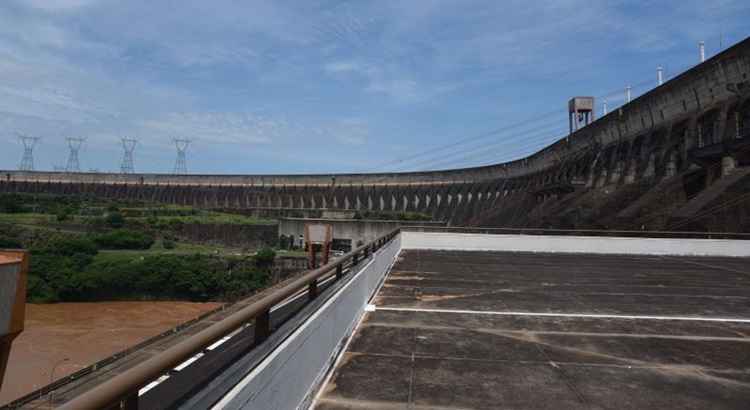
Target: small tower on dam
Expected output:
[580,112]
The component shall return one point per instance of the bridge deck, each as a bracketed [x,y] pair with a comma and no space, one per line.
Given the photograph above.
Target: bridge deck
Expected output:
[548,331]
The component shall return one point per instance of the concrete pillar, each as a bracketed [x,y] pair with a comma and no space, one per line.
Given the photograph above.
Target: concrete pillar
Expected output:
[670,169]
[602,180]
[590,179]
[650,170]
[630,172]
[616,174]
[728,164]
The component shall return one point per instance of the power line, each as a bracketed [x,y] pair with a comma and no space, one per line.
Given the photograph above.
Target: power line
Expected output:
[621,92]
[528,135]
[470,139]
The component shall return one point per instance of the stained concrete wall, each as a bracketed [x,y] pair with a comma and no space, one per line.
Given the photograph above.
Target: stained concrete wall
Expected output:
[351,229]
[288,378]
[701,118]
[231,235]
[575,244]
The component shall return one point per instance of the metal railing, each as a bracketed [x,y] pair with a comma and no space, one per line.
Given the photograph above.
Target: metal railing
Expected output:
[121,391]
[40,393]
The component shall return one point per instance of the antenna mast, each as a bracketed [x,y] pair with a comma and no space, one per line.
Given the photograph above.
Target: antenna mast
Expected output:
[180,166]
[74,143]
[128,145]
[27,161]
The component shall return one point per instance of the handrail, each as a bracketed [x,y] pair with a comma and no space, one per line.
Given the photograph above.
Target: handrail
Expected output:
[41,392]
[124,386]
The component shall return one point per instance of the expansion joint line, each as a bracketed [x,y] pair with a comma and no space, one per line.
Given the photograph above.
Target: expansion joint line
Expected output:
[569,315]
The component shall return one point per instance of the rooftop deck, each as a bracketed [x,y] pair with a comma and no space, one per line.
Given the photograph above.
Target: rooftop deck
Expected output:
[458,329]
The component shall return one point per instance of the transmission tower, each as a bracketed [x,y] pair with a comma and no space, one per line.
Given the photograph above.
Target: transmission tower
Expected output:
[74,143]
[180,166]
[27,162]
[128,146]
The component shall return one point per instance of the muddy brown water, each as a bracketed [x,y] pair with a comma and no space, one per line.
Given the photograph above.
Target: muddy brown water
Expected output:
[84,333]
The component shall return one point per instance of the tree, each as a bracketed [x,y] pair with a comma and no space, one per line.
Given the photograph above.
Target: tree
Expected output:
[115,219]
[264,258]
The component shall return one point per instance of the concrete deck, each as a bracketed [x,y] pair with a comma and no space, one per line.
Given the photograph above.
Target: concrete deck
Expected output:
[490,330]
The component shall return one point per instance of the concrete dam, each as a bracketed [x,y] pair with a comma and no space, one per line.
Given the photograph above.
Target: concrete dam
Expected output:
[675,157]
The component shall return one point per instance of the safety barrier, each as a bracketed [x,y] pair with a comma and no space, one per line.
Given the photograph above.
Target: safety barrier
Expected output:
[121,391]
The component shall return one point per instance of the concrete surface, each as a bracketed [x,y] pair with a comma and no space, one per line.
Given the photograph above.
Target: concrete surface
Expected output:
[575,244]
[495,330]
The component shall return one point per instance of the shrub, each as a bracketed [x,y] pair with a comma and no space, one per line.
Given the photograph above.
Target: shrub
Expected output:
[10,243]
[63,214]
[264,258]
[115,219]
[54,263]
[192,277]
[39,291]
[168,244]
[176,224]
[124,239]
[11,204]
[65,246]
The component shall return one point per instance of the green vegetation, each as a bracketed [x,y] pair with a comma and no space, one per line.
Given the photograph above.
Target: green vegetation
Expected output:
[70,268]
[264,257]
[54,263]
[166,276]
[115,219]
[9,243]
[88,249]
[124,239]
[46,209]
[26,218]
[202,217]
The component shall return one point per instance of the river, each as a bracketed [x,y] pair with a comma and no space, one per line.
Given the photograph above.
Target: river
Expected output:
[84,333]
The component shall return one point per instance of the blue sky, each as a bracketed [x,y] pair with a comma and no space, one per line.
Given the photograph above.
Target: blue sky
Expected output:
[329,86]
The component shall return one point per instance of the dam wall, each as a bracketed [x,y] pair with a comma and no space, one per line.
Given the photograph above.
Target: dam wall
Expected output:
[698,120]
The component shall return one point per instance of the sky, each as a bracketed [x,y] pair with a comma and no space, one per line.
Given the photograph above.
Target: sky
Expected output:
[318,86]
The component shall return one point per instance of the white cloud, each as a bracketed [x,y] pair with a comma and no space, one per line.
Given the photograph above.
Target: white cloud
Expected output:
[228,128]
[270,74]
[349,132]
[342,67]
[58,5]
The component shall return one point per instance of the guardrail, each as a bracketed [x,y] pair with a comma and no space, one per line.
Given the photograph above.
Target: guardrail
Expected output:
[40,393]
[121,391]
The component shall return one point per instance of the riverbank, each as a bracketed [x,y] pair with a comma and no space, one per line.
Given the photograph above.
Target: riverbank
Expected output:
[84,333]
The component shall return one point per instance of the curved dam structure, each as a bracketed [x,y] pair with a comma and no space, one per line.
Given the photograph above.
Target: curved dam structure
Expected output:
[689,137]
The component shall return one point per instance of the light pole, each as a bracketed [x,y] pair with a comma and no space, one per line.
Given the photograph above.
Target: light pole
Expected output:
[51,375]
